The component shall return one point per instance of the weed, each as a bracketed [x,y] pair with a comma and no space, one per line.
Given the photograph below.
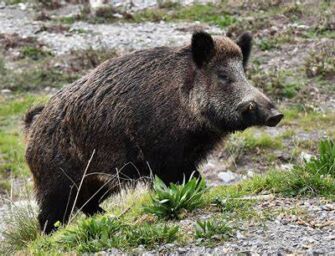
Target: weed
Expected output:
[209,228]
[173,201]
[321,63]
[293,11]
[281,83]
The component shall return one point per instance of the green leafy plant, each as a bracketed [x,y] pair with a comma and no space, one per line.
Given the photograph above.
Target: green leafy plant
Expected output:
[209,228]
[174,200]
[99,233]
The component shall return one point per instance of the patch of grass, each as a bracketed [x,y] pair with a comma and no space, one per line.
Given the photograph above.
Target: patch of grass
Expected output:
[103,232]
[214,14]
[34,53]
[9,2]
[20,228]
[36,78]
[83,60]
[175,200]
[11,134]
[275,41]
[315,178]
[207,229]
[264,140]
[253,140]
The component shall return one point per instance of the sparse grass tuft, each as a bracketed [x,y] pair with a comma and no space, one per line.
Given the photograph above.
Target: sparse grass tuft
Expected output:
[20,228]
[321,63]
[175,200]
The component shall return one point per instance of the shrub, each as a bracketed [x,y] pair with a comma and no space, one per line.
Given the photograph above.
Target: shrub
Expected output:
[172,201]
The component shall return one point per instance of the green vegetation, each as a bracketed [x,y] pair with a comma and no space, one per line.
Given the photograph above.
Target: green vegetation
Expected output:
[210,13]
[321,63]
[35,78]
[130,229]
[314,178]
[281,83]
[174,201]
[96,234]
[34,53]
[212,228]
[12,162]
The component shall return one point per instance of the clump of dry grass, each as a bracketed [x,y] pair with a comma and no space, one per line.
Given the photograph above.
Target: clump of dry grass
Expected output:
[20,227]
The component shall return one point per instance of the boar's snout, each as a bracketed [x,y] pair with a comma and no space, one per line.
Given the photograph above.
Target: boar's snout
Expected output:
[254,113]
[274,118]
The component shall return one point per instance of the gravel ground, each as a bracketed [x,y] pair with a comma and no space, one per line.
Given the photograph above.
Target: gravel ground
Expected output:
[310,233]
[122,37]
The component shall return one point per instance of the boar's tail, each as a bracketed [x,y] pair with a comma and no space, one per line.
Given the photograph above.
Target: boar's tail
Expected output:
[31,116]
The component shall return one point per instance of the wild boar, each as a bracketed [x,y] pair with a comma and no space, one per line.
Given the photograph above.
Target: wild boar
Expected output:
[159,110]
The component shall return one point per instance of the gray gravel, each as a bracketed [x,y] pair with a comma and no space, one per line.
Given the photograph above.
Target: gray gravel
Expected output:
[122,37]
[310,234]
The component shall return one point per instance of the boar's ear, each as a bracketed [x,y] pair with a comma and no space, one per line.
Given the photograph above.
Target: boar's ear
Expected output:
[245,43]
[202,48]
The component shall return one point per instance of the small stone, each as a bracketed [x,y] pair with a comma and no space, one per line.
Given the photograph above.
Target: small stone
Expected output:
[305,157]
[328,207]
[6,92]
[228,176]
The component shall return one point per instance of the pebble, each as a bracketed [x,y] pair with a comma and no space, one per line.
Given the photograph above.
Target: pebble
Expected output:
[228,176]
[6,92]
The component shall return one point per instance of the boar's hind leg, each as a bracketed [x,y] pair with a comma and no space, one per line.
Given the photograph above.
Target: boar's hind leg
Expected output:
[95,195]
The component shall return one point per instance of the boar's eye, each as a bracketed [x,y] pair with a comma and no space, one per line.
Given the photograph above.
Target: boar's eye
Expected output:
[224,78]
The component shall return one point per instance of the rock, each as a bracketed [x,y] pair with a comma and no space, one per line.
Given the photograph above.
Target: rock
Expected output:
[305,157]
[6,92]
[228,176]
[286,167]
[328,207]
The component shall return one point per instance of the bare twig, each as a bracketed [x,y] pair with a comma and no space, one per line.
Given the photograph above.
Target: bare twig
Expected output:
[81,183]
